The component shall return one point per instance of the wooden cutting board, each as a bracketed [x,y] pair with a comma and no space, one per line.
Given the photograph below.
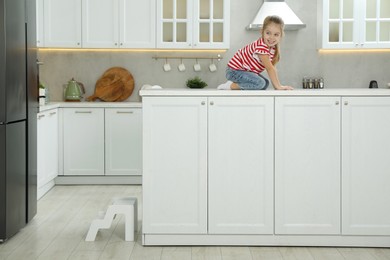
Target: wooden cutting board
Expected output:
[116,84]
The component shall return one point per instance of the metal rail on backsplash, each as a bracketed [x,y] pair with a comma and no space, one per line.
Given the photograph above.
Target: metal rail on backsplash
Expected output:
[218,57]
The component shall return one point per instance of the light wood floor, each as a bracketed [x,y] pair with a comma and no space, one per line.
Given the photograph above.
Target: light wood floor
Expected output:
[65,213]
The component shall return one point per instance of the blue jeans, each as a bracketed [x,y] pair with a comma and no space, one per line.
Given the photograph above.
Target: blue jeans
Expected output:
[247,80]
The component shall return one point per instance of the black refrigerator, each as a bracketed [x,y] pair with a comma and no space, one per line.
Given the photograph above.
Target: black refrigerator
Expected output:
[18,112]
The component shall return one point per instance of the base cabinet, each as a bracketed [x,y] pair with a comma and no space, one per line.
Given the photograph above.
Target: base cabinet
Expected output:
[307,165]
[366,166]
[102,141]
[207,166]
[47,141]
[264,170]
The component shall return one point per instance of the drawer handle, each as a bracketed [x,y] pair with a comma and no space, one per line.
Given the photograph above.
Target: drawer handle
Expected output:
[203,103]
[346,103]
[83,112]
[337,102]
[124,112]
[41,116]
[53,113]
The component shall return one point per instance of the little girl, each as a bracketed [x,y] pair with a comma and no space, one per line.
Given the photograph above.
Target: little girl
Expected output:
[243,71]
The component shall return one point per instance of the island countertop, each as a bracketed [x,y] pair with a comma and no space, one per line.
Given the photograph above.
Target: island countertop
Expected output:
[270,92]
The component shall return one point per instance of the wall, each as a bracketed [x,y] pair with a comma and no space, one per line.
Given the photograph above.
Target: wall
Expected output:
[300,57]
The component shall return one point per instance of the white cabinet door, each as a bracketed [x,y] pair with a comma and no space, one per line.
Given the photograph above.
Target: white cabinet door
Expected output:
[175,165]
[123,135]
[241,165]
[174,23]
[40,23]
[375,23]
[307,165]
[47,149]
[137,24]
[83,141]
[100,23]
[62,23]
[366,166]
[41,149]
[339,24]
[52,144]
[211,24]
[188,24]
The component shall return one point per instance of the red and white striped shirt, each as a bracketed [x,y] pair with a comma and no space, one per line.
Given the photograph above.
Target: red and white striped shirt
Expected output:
[247,58]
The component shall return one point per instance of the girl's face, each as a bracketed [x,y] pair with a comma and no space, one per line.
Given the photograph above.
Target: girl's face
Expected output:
[272,34]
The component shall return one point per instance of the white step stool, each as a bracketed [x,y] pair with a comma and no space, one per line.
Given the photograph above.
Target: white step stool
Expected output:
[124,205]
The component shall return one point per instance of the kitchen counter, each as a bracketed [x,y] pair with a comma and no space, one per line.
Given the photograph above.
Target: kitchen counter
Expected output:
[269,168]
[271,92]
[107,136]
[52,105]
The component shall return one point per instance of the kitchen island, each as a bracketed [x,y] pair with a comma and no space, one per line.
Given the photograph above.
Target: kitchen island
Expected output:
[299,168]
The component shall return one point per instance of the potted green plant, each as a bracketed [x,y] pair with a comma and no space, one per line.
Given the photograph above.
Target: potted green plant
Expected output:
[196,83]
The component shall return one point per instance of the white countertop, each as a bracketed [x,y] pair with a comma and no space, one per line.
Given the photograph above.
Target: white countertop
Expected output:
[52,105]
[214,92]
[271,92]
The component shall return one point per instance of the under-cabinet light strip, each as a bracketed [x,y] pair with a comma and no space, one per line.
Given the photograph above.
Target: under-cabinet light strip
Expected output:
[132,50]
[328,51]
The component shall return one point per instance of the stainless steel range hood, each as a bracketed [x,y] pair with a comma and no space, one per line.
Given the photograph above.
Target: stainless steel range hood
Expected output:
[279,8]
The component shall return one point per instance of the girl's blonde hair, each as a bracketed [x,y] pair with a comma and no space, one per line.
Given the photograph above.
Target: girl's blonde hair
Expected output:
[278,21]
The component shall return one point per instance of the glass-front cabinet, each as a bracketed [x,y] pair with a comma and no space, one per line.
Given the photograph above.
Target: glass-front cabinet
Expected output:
[377,23]
[355,24]
[193,24]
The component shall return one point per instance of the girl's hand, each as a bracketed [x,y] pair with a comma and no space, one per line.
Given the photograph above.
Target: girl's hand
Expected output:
[271,70]
[284,88]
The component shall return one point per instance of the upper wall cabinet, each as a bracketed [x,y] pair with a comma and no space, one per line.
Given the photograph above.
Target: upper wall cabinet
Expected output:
[351,24]
[100,23]
[96,23]
[185,24]
[137,23]
[40,23]
[193,24]
[62,23]
[118,23]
